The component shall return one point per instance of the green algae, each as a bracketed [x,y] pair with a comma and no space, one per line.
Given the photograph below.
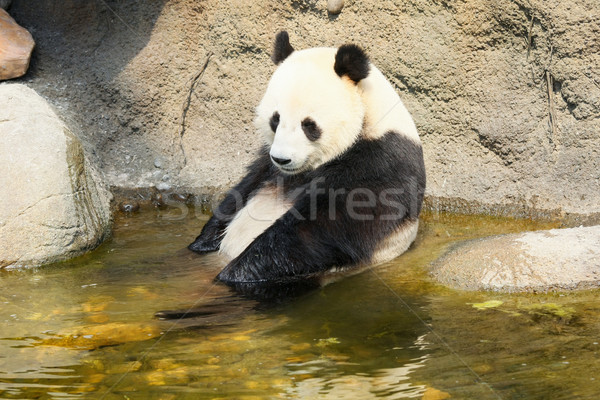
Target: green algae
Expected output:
[487,304]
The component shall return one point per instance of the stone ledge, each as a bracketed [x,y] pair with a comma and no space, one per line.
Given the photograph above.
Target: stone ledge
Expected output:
[552,260]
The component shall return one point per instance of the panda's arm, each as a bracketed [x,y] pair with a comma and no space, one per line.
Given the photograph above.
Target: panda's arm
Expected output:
[285,249]
[298,248]
[212,233]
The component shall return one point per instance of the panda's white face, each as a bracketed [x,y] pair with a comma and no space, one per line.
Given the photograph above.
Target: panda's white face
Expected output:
[309,114]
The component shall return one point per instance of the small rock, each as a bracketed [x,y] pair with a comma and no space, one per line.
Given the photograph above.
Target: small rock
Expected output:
[434,394]
[157,200]
[158,163]
[16,45]
[335,6]
[179,197]
[163,186]
[129,206]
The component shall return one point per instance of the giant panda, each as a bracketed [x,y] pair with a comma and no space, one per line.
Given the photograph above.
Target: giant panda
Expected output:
[339,182]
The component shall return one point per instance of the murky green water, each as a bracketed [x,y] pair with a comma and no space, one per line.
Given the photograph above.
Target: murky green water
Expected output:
[85,329]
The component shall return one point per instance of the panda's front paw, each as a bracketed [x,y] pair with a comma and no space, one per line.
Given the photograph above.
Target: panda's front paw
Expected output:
[238,271]
[202,246]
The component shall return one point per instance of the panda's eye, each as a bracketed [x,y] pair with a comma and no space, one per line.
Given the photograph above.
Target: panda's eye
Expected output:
[274,122]
[311,129]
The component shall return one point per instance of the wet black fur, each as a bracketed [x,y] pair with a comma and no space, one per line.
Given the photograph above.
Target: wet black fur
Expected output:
[351,61]
[282,48]
[300,245]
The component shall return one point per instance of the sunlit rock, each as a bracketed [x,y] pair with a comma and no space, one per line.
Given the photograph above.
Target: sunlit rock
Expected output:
[558,259]
[53,206]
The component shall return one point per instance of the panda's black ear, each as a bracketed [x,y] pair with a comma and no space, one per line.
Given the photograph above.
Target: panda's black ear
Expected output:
[351,61]
[282,48]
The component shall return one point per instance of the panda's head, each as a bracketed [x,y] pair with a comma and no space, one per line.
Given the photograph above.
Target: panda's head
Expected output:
[312,109]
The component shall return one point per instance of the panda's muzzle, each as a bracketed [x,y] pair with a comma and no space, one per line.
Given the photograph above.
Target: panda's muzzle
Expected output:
[281,161]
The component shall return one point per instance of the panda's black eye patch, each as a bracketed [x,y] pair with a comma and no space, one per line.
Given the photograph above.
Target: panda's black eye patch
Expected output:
[274,121]
[311,129]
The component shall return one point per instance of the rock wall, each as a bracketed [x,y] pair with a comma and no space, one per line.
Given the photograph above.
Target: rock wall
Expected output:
[506,94]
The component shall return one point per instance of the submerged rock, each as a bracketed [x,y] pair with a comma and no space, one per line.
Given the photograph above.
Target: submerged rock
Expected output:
[557,259]
[434,394]
[129,207]
[110,334]
[16,45]
[53,206]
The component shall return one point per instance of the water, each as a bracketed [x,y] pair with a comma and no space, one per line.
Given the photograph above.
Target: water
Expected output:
[85,329]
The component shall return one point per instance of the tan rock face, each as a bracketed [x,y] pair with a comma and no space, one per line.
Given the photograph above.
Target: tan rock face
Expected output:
[505,94]
[16,45]
[52,206]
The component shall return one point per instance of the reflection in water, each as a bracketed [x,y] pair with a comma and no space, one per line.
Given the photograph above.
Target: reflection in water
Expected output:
[86,328]
[391,383]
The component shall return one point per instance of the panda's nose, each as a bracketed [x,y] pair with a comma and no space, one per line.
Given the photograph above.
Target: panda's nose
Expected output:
[281,161]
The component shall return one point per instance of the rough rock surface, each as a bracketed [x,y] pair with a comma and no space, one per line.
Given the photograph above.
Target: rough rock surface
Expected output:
[506,93]
[16,45]
[52,205]
[558,259]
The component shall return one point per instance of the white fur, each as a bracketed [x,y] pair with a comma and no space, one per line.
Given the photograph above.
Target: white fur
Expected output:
[384,111]
[396,243]
[306,85]
[257,216]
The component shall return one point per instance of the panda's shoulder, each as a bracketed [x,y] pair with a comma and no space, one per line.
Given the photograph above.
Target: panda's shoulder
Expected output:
[383,158]
[388,149]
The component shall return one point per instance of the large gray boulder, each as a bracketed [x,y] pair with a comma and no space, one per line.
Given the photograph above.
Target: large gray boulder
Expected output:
[558,259]
[52,206]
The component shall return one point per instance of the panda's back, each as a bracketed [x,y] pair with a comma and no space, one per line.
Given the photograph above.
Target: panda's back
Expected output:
[384,110]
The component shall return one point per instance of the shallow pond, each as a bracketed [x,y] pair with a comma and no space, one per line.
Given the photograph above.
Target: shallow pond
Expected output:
[85,328]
